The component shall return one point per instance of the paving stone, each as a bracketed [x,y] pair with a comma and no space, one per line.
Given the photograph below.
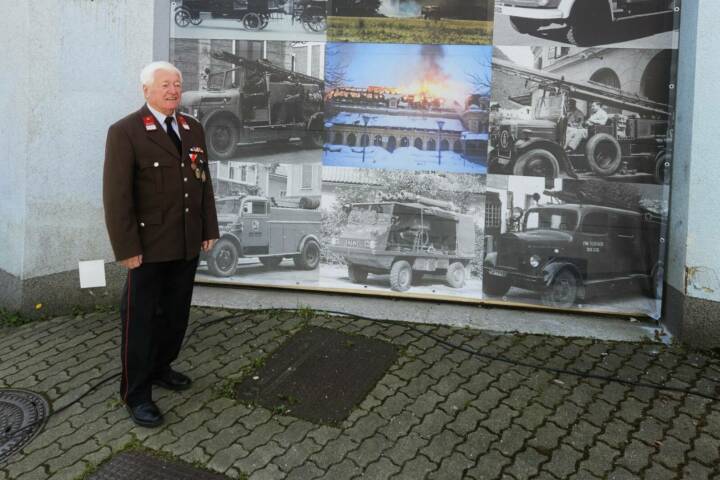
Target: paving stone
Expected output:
[563,461]
[370,450]
[344,469]
[307,471]
[297,454]
[526,463]
[259,457]
[599,459]
[488,466]
[334,451]
[406,448]
[382,469]
[636,456]
[452,467]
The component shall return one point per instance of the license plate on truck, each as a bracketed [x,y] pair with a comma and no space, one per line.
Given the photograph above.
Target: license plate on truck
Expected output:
[497,273]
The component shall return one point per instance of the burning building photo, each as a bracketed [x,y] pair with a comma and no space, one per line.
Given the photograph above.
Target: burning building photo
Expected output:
[407,107]
[411,21]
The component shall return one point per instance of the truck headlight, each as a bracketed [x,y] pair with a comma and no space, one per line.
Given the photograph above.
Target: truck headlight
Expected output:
[196,113]
[535,261]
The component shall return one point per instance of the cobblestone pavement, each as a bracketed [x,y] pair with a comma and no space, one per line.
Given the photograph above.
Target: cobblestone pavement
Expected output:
[437,414]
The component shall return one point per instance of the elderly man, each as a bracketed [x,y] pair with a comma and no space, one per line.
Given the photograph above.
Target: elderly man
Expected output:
[159,212]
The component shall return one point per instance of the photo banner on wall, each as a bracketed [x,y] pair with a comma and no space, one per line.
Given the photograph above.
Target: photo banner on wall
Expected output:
[501,152]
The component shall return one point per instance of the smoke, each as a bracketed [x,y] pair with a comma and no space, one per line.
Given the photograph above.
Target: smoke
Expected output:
[430,68]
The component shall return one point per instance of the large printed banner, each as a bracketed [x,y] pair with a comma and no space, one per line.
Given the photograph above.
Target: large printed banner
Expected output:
[506,152]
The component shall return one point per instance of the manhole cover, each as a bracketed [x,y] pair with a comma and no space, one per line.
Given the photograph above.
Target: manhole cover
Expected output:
[319,374]
[22,415]
[141,466]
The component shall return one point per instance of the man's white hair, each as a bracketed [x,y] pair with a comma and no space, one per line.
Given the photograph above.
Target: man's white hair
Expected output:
[147,76]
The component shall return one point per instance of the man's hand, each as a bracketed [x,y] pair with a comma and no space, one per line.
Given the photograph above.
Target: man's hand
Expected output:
[207,245]
[132,262]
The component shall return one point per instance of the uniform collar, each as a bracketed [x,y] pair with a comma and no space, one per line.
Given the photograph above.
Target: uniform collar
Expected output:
[159,115]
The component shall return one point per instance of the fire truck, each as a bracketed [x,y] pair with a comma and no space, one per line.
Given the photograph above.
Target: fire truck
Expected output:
[256,102]
[586,20]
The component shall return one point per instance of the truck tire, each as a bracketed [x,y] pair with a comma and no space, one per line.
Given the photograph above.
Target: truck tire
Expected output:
[357,274]
[309,257]
[223,258]
[588,20]
[662,169]
[537,162]
[604,154]
[401,276]
[271,262]
[525,25]
[495,286]
[183,17]
[308,203]
[562,291]
[222,137]
[456,275]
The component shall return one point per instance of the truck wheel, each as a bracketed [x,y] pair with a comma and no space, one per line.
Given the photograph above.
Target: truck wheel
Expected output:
[456,275]
[314,19]
[656,280]
[588,19]
[662,171]
[222,259]
[357,274]
[400,276]
[271,262]
[524,25]
[495,286]
[604,154]
[309,257]
[563,290]
[183,17]
[537,162]
[222,138]
[252,21]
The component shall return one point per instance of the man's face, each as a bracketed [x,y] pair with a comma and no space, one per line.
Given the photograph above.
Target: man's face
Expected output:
[595,107]
[164,92]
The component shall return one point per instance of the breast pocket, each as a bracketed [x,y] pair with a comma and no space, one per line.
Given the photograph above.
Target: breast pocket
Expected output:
[159,170]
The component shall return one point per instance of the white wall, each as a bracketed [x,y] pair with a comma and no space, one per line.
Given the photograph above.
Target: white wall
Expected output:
[85,58]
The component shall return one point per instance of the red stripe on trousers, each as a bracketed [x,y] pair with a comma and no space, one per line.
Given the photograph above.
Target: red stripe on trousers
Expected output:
[127,335]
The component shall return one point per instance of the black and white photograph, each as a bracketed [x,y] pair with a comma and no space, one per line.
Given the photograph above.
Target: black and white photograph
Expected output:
[582,113]
[255,99]
[270,225]
[588,23]
[288,20]
[402,233]
[436,22]
[407,107]
[579,244]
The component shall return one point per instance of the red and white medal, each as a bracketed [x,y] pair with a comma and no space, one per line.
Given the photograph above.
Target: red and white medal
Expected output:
[149,122]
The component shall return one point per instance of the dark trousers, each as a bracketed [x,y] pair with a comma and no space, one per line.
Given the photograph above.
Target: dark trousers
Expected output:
[154,309]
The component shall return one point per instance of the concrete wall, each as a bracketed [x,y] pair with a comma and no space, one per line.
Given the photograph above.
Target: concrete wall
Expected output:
[71,68]
[692,302]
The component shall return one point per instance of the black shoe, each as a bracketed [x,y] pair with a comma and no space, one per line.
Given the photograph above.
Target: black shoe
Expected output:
[146,414]
[173,380]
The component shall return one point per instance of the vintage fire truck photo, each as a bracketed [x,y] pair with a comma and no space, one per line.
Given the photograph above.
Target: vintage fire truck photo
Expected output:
[256,102]
[401,231]
[551,125]
[585,22]
[242,18]
[254,227]
[570,247]
[406,237]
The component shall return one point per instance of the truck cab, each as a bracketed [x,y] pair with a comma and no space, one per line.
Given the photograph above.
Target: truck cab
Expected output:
[585,19]
[563,249]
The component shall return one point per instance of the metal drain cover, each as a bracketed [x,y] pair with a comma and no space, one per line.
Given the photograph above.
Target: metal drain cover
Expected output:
[22,416]
[142,466]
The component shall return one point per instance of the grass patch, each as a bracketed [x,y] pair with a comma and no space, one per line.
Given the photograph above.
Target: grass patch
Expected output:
[10,318]
[409,30]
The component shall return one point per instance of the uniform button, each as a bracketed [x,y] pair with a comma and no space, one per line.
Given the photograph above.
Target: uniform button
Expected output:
[142,224]
[187,210]
[182,164]
[185,179]
[156,164]
[186,195]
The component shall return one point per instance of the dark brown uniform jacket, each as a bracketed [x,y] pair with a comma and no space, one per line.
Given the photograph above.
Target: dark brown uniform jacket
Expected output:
[154,204]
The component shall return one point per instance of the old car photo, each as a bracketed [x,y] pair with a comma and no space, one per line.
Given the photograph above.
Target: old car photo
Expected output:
[582,243]
[616,23]
[290,20]
[579,113]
